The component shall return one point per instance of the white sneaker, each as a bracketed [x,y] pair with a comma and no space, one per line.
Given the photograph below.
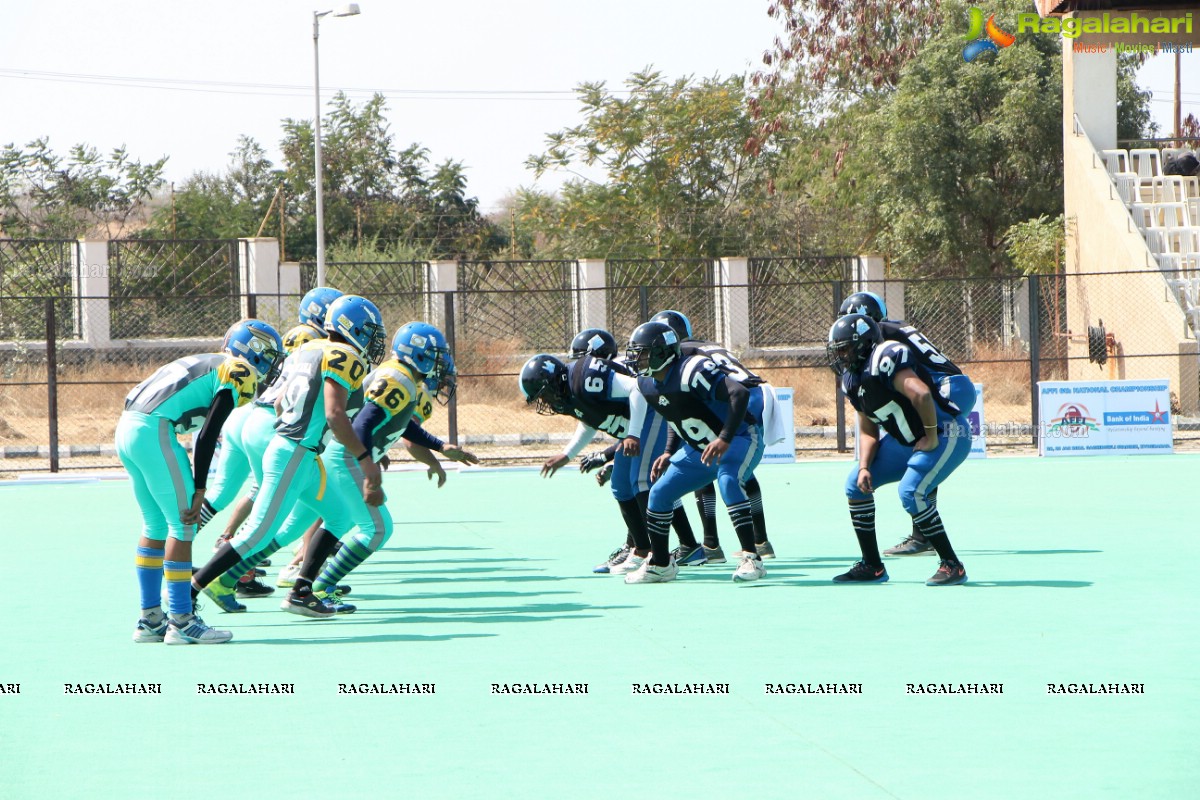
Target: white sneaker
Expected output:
[648,573]
[751,569]
[630,564]
[192,630]
[287,576]
[147,631]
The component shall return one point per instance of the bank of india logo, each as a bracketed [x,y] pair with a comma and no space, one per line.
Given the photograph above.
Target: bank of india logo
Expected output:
[984,37]
[1073,419]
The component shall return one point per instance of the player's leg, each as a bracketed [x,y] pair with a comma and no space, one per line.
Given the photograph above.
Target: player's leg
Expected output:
[925,472]
[888,466]
[332,503]
[232,468]
[624,486]
[374,529]
[685,474]
[734,471]
[706,505]
[152,624]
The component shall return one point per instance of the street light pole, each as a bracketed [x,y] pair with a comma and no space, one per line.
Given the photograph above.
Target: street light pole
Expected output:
[347,11]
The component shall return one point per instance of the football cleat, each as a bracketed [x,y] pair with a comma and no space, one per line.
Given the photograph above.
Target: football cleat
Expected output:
[751,569]
[287,576]
[714,555]
[949,573]
[192,630]
[631,562]
[614,558]
[253,588]
[914,545]
[862,572]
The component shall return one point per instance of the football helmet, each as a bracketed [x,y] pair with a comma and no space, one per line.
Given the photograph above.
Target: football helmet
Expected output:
[315,305]
[359,322]
[594,342]
[544,384]
[442,383]
[851,340]
[258,343]
[421,346]
[652,346]
[678,322]
[867,303]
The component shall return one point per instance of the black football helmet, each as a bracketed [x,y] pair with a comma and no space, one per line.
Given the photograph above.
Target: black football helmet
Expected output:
[867,303]
[652,346]
[544,384]
[594,342]
[678,322]
[851,340]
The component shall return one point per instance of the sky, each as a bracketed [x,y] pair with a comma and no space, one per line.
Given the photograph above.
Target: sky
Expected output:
[477,82]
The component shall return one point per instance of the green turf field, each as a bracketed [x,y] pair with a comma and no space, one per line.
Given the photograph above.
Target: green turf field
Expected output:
[1079,574]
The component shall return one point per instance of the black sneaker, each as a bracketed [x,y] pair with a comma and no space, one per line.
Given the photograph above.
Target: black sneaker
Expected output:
[949,573]
[914,545]
[259,572]
[862,572]
[306,604]
[254,589]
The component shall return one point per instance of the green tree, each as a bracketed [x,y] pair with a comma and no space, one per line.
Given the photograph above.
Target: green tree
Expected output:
[677,178]
[47,195]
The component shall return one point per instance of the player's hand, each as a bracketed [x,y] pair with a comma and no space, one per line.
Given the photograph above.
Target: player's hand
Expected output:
[631,446]
[190,516]
[553,465]
[604,474]
[591,462]
[456,453]
[926,444]
[659,466]
[373,494]
[436,469]
[864,481]
[385,462]
[712,454]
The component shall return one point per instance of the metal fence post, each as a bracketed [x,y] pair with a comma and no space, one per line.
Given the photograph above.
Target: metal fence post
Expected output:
[52,382]
[643,304]
[839,290]
[452,408]
[1035,350]
[252,306]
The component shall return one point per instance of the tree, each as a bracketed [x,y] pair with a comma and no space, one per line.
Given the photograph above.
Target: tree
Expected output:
[677,180]
[46,195]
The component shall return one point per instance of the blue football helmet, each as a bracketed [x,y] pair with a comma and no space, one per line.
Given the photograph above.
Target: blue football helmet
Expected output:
[420,346]
[258,343]
[867,303]
[677,321]
[315,305]
[358,321]
[443,381]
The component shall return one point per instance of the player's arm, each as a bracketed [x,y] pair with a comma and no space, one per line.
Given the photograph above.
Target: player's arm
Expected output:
[219,409]
[425,456]
[584,434]
[738,397]
[415,434]
[597,460]
[336,397]
[638,408]
[868,443]
[907,383]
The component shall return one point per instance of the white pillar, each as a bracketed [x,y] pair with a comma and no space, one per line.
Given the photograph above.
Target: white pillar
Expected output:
[443,277]
[1090,91]
[289,280]
[260,276]
[870,275]
[733,302]
[590,297]
[91,266]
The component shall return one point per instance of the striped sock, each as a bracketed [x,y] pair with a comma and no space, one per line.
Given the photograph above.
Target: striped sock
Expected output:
[706,502]
[754,492]
[683,527]
[862,517]
[179,586]
[743,525]
[229,578]
[207,512]
[353,552]
[929,523]
[658,527]
[149,563]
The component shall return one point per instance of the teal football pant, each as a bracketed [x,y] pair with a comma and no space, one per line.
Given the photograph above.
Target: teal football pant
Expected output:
[161,474]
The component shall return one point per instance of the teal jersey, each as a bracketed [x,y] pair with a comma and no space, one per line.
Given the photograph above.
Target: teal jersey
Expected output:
[392,387]
[303,389]
[183,390]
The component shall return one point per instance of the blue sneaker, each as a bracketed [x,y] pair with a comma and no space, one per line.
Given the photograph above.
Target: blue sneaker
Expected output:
[333,599]
[616,557]
[689,556]
[224,597]
[862,572]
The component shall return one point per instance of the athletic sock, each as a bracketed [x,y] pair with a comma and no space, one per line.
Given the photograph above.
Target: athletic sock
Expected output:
[218,565]
[354,551]
[230,578]
[633,512]
[179,584]
[932,499]
[706,502]
[320,547]
[929,523]
[743,525]
[754,492]
[658,528]
[207,512]
[683,527]
[149,567]
[862,517]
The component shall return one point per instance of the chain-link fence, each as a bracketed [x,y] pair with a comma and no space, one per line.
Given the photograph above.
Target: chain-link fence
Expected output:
[146,276]
[62,385]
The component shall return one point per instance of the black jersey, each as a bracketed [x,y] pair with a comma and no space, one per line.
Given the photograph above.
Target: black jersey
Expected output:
[687,400]
[923,350]
[593,399]
[872,392]
[724,359]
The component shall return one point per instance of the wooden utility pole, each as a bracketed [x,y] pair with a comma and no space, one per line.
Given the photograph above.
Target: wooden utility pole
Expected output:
[1178,109]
